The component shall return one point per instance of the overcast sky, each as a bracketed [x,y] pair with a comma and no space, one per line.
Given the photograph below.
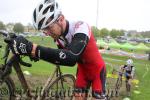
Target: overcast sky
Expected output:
[118,14]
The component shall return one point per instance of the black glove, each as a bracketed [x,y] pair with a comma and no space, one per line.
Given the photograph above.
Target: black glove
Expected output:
[20,45]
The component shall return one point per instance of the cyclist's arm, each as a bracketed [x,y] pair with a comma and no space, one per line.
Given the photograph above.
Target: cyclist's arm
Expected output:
[67,56]
[122,68]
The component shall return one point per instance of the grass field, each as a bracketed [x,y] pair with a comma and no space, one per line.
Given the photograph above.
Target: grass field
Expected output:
[142,68]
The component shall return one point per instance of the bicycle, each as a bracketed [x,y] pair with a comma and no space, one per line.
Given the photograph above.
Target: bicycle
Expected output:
[118,84]
[112,88]
[58,85]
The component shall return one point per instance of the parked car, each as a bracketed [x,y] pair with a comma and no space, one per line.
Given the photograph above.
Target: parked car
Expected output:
[147,40]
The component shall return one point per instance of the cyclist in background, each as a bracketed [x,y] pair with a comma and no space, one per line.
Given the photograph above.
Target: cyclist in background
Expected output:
[76,44]
[129,71]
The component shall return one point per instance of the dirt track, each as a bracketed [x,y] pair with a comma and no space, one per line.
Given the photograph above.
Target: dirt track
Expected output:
[38,81]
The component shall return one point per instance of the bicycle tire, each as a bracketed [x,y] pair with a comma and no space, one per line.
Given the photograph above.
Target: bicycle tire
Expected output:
[64,92]
[128,89]
[109,94]
[119,83]
[118,86]
[7,88]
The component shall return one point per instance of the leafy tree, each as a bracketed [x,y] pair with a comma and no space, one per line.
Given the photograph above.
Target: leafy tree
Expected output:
[2,26]
[146,34]
[18,28]
[95,31]
[29,27]
[114,33]
[10,27]
[104,32]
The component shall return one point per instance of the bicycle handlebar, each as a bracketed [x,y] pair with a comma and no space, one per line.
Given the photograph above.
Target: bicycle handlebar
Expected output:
[4,33]
[8,63]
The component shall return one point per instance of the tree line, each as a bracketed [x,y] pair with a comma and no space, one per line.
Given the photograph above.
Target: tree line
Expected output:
[20,28]
[15,27]
[114,33]
[105,32]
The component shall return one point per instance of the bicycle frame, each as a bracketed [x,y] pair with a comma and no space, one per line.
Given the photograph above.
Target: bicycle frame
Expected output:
[25,85]
[21,78]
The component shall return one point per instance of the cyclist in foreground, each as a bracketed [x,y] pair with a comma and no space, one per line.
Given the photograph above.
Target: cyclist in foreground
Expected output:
[76,44]
[129,71]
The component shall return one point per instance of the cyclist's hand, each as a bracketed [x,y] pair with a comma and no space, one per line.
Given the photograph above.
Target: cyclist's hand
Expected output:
[120,73]
[20,45]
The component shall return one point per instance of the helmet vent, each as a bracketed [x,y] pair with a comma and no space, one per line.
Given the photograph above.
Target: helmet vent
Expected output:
[34,15]
[56,5]
[52,17]
[48,1]
[45,11]
[40,7]
[40,23]
[52,8]
[45,1]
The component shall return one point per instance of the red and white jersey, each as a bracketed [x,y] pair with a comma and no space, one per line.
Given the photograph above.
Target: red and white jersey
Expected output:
[91,55]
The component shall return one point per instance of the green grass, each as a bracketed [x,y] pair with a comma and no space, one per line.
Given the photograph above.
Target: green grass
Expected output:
[45,68]
[44,41]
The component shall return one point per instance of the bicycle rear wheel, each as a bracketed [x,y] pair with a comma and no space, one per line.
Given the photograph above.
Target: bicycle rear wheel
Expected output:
[128,88]
[61,88]
[7,89]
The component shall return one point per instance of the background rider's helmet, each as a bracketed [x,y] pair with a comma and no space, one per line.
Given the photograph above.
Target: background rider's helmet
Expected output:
[129,62]
[45,14]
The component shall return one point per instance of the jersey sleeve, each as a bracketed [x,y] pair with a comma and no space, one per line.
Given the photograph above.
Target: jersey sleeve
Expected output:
[69,56]
[82,27]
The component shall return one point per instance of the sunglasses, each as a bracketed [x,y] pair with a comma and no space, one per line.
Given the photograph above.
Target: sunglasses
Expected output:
[49,28]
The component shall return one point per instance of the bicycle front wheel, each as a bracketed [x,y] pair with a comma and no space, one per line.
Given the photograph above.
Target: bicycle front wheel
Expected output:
[62,88]
[118,86]
[119,83]
[7,89]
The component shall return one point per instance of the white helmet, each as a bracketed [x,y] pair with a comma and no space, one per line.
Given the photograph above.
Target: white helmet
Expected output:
[45,11]
[129,62]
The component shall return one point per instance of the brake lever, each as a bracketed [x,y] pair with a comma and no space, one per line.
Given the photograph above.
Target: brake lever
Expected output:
[19,60]
[24,63]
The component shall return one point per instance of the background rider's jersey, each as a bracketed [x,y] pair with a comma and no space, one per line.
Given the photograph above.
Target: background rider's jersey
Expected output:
[129,69]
